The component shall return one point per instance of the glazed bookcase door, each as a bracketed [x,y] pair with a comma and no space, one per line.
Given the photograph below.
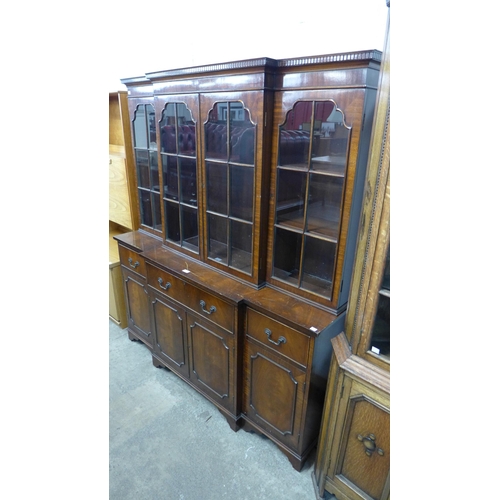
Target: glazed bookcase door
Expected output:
[314,164]
[144,140]
[232,171]
[178,153]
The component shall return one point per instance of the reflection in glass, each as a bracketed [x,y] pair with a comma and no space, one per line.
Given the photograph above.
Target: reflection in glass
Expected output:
[217,238]
[317,272]
[217,187]
[287,250]
[241,246]
[155,179]
[295,136]
[291,198]
[241,192]
[323,209]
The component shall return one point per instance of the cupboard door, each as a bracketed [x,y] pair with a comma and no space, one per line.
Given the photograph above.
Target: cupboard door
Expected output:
[137,300]
[231,139]
[212,360]
[170,343]
[178,146]
[273,395]
[360,458]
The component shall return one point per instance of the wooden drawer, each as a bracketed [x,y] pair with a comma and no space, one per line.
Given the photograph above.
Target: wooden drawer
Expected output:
[214,309]
[165,282]
[278,337]
[133,261]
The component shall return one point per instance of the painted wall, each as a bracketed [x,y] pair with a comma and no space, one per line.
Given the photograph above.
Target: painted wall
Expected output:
[185,34]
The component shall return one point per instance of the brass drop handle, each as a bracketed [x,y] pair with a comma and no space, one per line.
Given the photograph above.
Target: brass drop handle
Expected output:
[203,304]
[370,444]
[280,340]
[166,287]
[133,265]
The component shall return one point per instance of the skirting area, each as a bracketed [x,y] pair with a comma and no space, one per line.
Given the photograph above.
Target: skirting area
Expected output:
[167,442]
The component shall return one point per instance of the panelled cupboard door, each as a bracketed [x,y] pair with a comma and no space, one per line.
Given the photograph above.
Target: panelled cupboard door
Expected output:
[273,396]
[137,300]
[360,469]
[170,342]
[212,361]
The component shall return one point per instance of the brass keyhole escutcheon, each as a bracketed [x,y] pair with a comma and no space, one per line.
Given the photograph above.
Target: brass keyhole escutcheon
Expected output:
[370,444]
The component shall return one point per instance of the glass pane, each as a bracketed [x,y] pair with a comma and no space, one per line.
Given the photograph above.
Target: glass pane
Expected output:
[145,204]
[331,140]
[291,198]
[187,140]
[167,128]
[323,210]
[242,134]
[189,228]
[217,238]
[217,188]
[287,248]
[381,334]
[155,179]
[317,272]
[142,162]
[295,136]
[241,246]
[188,180]
[140,132]
[156,210]
[173,231]
[216,132]
[241,193]
[151,127]
[170,177]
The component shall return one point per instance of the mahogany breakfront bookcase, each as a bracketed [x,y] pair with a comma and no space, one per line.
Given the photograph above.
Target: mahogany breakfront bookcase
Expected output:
[249,177]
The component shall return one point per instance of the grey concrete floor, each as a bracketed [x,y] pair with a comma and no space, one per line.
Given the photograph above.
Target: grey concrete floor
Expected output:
[167,442]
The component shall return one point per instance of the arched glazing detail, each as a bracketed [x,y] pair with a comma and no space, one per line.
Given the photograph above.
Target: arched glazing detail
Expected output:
[146,163]
[312,159]
[178,166]
[230,178]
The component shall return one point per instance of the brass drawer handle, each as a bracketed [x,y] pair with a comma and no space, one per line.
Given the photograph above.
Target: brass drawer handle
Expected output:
[133,265]
[280,340]
[166,287]
[203,304]
[370,444]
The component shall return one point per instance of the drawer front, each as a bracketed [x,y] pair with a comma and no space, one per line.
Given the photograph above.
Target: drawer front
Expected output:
[165,283]
[133,261]
[201,302]
[280,338]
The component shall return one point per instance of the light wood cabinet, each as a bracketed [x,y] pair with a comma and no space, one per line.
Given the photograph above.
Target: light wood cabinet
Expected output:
[249,180]
[353,460]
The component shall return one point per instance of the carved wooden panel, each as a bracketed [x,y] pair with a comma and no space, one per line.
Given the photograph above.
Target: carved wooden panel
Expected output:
[366,458]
